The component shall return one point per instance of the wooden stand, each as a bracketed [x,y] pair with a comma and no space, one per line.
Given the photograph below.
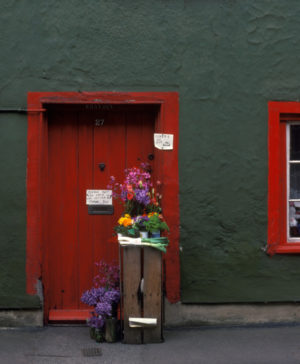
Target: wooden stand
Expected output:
[141,292]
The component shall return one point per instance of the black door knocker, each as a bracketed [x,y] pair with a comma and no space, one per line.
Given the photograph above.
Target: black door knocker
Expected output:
[101,166]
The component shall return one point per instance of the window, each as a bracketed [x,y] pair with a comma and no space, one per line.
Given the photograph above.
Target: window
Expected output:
[284,178]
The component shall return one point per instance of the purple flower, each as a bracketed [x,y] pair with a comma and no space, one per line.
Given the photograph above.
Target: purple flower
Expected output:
[108,275]
[112,296]
[96,321]
[103,308]
[105,295]
[92,296]
[142,196]
[139,181]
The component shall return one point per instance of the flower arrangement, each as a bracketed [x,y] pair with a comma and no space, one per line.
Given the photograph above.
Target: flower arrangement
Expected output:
[134,192]
[104,297]
[142,202]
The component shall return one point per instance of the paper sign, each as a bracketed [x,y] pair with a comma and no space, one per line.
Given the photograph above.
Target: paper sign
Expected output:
[98,197]
[163,141]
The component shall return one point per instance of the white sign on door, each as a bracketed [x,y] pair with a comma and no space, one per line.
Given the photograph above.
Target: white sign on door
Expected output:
[99,197]
[163,141]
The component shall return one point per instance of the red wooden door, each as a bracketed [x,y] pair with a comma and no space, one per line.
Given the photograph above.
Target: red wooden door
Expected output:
[78,141]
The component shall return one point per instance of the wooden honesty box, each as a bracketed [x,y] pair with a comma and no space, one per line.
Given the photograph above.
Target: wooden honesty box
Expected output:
[141,294]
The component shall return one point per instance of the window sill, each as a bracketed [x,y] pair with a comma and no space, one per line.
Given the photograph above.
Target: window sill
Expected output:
[289,248]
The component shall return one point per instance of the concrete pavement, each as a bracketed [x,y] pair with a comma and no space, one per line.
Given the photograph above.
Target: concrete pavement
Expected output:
[206,345]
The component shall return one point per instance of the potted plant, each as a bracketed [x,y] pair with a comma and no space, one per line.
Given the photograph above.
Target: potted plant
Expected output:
[104,298]
[155,225]
[140,225]
[124,224]
[126,227]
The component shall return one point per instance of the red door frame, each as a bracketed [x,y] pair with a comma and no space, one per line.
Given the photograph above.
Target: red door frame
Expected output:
[37,156]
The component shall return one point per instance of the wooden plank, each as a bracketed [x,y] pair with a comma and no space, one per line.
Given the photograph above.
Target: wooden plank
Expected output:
[54,228]
[109,148]
[131,282]
[115,165]
[153,293]
[147,131]
[102,228]
[134,140]
[63,213]
[69,207]
[85,223]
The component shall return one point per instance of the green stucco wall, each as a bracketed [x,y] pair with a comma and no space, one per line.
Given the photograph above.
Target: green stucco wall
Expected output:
[226,59]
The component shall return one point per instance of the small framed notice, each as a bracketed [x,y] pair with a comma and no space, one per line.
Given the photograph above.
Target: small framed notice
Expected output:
[163,141]
[99,197]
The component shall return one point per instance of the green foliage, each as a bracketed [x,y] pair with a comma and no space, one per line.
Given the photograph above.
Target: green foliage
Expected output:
[156,223]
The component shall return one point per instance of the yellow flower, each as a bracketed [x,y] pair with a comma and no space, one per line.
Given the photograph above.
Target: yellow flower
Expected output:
[125,221]
[120,221]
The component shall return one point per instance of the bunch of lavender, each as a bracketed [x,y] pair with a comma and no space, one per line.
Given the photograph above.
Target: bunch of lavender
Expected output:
[96,322]
[92,296]
[107,302]
[103,298]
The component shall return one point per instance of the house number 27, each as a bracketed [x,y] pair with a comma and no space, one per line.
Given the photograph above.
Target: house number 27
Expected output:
[99,122]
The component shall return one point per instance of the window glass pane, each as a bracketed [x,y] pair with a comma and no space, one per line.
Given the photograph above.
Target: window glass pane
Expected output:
[294,219]
[294,181]
[295,142]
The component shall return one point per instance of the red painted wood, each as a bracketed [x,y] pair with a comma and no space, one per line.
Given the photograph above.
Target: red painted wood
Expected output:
[279,112]
[168,167]
[52,258]
[282,184]
[103,227]
[34,229]
[70,259]
[85,221]
[165,163]
[69,315]
[115,163]
[63,211]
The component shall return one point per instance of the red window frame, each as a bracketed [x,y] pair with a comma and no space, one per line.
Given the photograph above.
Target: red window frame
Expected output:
[279,114]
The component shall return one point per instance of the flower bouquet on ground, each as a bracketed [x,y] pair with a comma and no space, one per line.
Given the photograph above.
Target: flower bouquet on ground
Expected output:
[104,298]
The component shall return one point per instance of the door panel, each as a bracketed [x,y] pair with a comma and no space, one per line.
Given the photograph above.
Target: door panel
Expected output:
[63,211]
[77,143]
[85,223]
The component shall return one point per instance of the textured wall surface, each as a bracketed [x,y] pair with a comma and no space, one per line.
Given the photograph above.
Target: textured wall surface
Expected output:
[226,59]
